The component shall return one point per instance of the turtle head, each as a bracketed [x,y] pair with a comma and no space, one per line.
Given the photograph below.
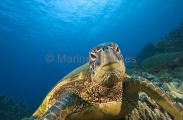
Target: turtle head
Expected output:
[107,64]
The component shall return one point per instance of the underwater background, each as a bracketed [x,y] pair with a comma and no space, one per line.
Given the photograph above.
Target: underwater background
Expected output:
[34,34]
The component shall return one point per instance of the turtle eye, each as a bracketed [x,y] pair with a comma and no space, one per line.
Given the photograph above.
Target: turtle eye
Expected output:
[92,56]
[117,50]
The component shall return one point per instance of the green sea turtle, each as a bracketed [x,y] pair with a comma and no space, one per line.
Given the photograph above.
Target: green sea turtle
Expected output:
[163,60]
[100,90]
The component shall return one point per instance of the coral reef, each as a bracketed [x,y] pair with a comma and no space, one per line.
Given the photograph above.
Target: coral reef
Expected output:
[173,42]
[168,52]
[170,87]
[148,109]
[169,80]
[161,63]
[11,110]
[148,51]
[29,118]
[164,60]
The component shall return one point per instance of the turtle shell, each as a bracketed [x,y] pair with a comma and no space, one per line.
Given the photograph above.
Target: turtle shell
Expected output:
[84,69]
[76,75]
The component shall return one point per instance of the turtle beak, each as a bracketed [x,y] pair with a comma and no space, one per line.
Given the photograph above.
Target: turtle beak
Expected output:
[110,66]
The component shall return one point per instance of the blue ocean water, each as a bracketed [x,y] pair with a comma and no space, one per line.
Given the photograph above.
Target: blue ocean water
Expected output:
[35,33]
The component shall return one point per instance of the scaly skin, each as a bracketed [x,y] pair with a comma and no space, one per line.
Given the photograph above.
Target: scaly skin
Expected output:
[137,84]
[61,108]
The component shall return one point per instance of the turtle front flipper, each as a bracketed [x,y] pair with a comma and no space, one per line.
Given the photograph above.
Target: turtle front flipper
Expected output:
[61,108]
[137,84]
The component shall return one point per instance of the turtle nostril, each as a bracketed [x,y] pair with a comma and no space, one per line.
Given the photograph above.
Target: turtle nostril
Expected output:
[103,48]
